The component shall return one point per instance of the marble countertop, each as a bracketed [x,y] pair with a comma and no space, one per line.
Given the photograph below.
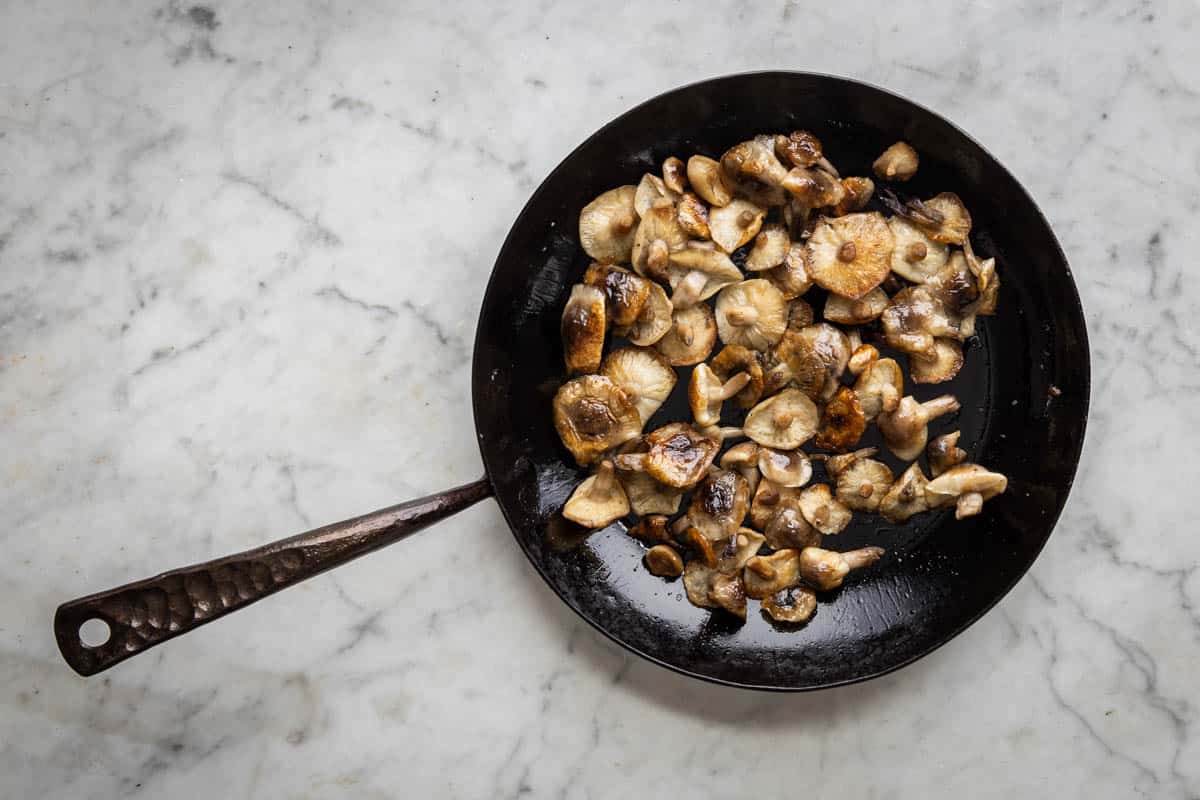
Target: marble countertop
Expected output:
[232,307]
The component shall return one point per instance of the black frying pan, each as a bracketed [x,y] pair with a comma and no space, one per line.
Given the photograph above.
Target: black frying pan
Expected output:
[1024,392]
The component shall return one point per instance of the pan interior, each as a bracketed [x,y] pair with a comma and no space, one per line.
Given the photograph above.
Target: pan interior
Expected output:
[1024,391]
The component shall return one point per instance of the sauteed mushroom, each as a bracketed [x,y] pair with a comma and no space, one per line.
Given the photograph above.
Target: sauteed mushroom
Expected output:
[677,456]
[674,175]
[943,452]
[658,235]
[862,481]
[663,560]
[652,529]
[607,224]
[743,459]
[693,216]
[707,392]
[697,273]
[599,500]
[904,430]
[653,321]
[850,255]
[625,294]
[825,570]
[966,485]
[906,497]
[735,223]
[787,527]
[751,313]
[793,605]
[842,421]
[769,500]
[785,421]
[734,360]
[823,511]
[771,247]
[791,277]
[583,324]
[691,338]
[800,148]
[719,505]
[915,256]
[856,194]
[646,378]
[592,414]
[708,181]
[769,575]
[898,163]
[845,311]
[649,191]
[790,468]
[721,586]
[946,362]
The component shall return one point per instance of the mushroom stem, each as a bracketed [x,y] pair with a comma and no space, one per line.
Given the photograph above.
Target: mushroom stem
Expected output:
[687,291]
[968,505]
[916,251]
[606,476]
[742,316]
[657,256]
[939,406]
[783,419]
[847,252]
[863,557]
[720,434]
[732,387]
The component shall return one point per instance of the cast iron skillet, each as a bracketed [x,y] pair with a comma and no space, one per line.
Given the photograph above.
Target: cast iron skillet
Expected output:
[1024,392]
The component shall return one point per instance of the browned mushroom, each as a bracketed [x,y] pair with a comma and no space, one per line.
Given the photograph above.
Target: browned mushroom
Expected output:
[845,311]
[946,362]
[914,318]
[607,224]
[653,321]
[824,511]
[697,272]
[708,181]
[599,500]
[856,194]
[790,468]
[906,497]
[721,586]
[743,459]
[719,505]
[751,313]
[706,393]
[898,163]
[824,570]
[698,544]
[771,247]
[663,560]
[644,376]
[768,575]
[583,324]
[842,421]
[651,529]
[693,216]
[787,527]
[967,486]
[943,452]
[862,357]
[915,256]
[625,294]
[674,175]
[905,429]
[691,338]
[658,235]
[791,277]
[735,359]
[677,456]
[946,219]
[861,480]
[769,499]
[879,387]
[592,414]
[784,421]
[754,160]
[850,255]
[800,148]
[734,224]
[793,605]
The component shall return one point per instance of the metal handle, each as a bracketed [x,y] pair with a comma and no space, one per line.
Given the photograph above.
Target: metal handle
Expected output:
[151,611]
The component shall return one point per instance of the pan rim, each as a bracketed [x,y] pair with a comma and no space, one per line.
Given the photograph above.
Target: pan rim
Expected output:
[1083,363]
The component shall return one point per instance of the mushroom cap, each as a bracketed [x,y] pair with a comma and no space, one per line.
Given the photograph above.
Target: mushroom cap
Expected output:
[705,395]
[693,216]
[817,356]
[862,485]
[658,223]
[823,511]
[752,313]
[955,288]
[652,529]
[785,421]
[790,468]
[770,249]
[754,160]
[737,550]
[800,315]
[791,277]
[735,223]
[655,319]
[664,561]
[943,452]
[649,191]
[898,163]
[770,499]
[793,605]
[625,294]
[915,256]
[708,180]
[767,575]
[598,501]
[964,479]
[592,414]
[729,593]
[582,328]
[845,311]
[679,456]
[863,356]
[879,387]
[914,318]
[719,505]
[607,225]
[906,497]
[787,527]
[850,255]
[824,570]
[905,430]
[813,187]
[946,362]
[842,421]
[799,148]
[857,193]
[648,496]
[644,376]
[955,222]
[741,455]
[721,586]
[717,266]
[691,337]
[735,358]
[674,174]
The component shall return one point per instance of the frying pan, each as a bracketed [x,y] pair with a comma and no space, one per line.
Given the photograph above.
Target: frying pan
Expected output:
[1024,393]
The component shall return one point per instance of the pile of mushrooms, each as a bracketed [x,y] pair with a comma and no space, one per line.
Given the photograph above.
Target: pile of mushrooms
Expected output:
[705,266]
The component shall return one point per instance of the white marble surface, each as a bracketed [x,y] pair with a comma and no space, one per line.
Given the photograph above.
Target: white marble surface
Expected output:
[241,251]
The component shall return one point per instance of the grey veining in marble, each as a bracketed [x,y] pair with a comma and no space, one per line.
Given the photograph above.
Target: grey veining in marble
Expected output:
[241,250]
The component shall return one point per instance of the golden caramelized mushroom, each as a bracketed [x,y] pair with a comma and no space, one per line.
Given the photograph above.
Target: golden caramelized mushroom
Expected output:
[691,337]
[812,188]
[649,191]
[857,193]
[697,273]
[790,468]
[678,456]
[707,392]
[905,429]
[966,485]
[768,575]
[755,161]
[607,225]
[943,452]
[644,376]
[674,175]
[906,497]
[708,180]
[915,256]
[658,235]
[800,149]
[842,421]
[592,415]
[693,216]
[769,500]
[845,311]
[784,422]
[583,324]
[824,570]
[862,358]
[850,255]
[791,277]
[898,163]
[721,586]
[735,359]
[879,388]
[818,359]
[599,500]
[719,505]
[735,223]
[823,511]
[651,529]
[728,592]
[751,313]
[654,321]
[625,294]
[862,481]
[663,560]
[914,318]
[743,459]
[949,222]
[945,364]
[771,247]
[794,605]
[788,528]
[696,542]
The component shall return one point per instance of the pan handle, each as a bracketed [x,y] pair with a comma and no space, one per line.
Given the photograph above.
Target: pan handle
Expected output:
[148,612]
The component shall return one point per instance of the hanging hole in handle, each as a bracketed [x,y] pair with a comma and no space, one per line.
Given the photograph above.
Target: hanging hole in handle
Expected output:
[94,632]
